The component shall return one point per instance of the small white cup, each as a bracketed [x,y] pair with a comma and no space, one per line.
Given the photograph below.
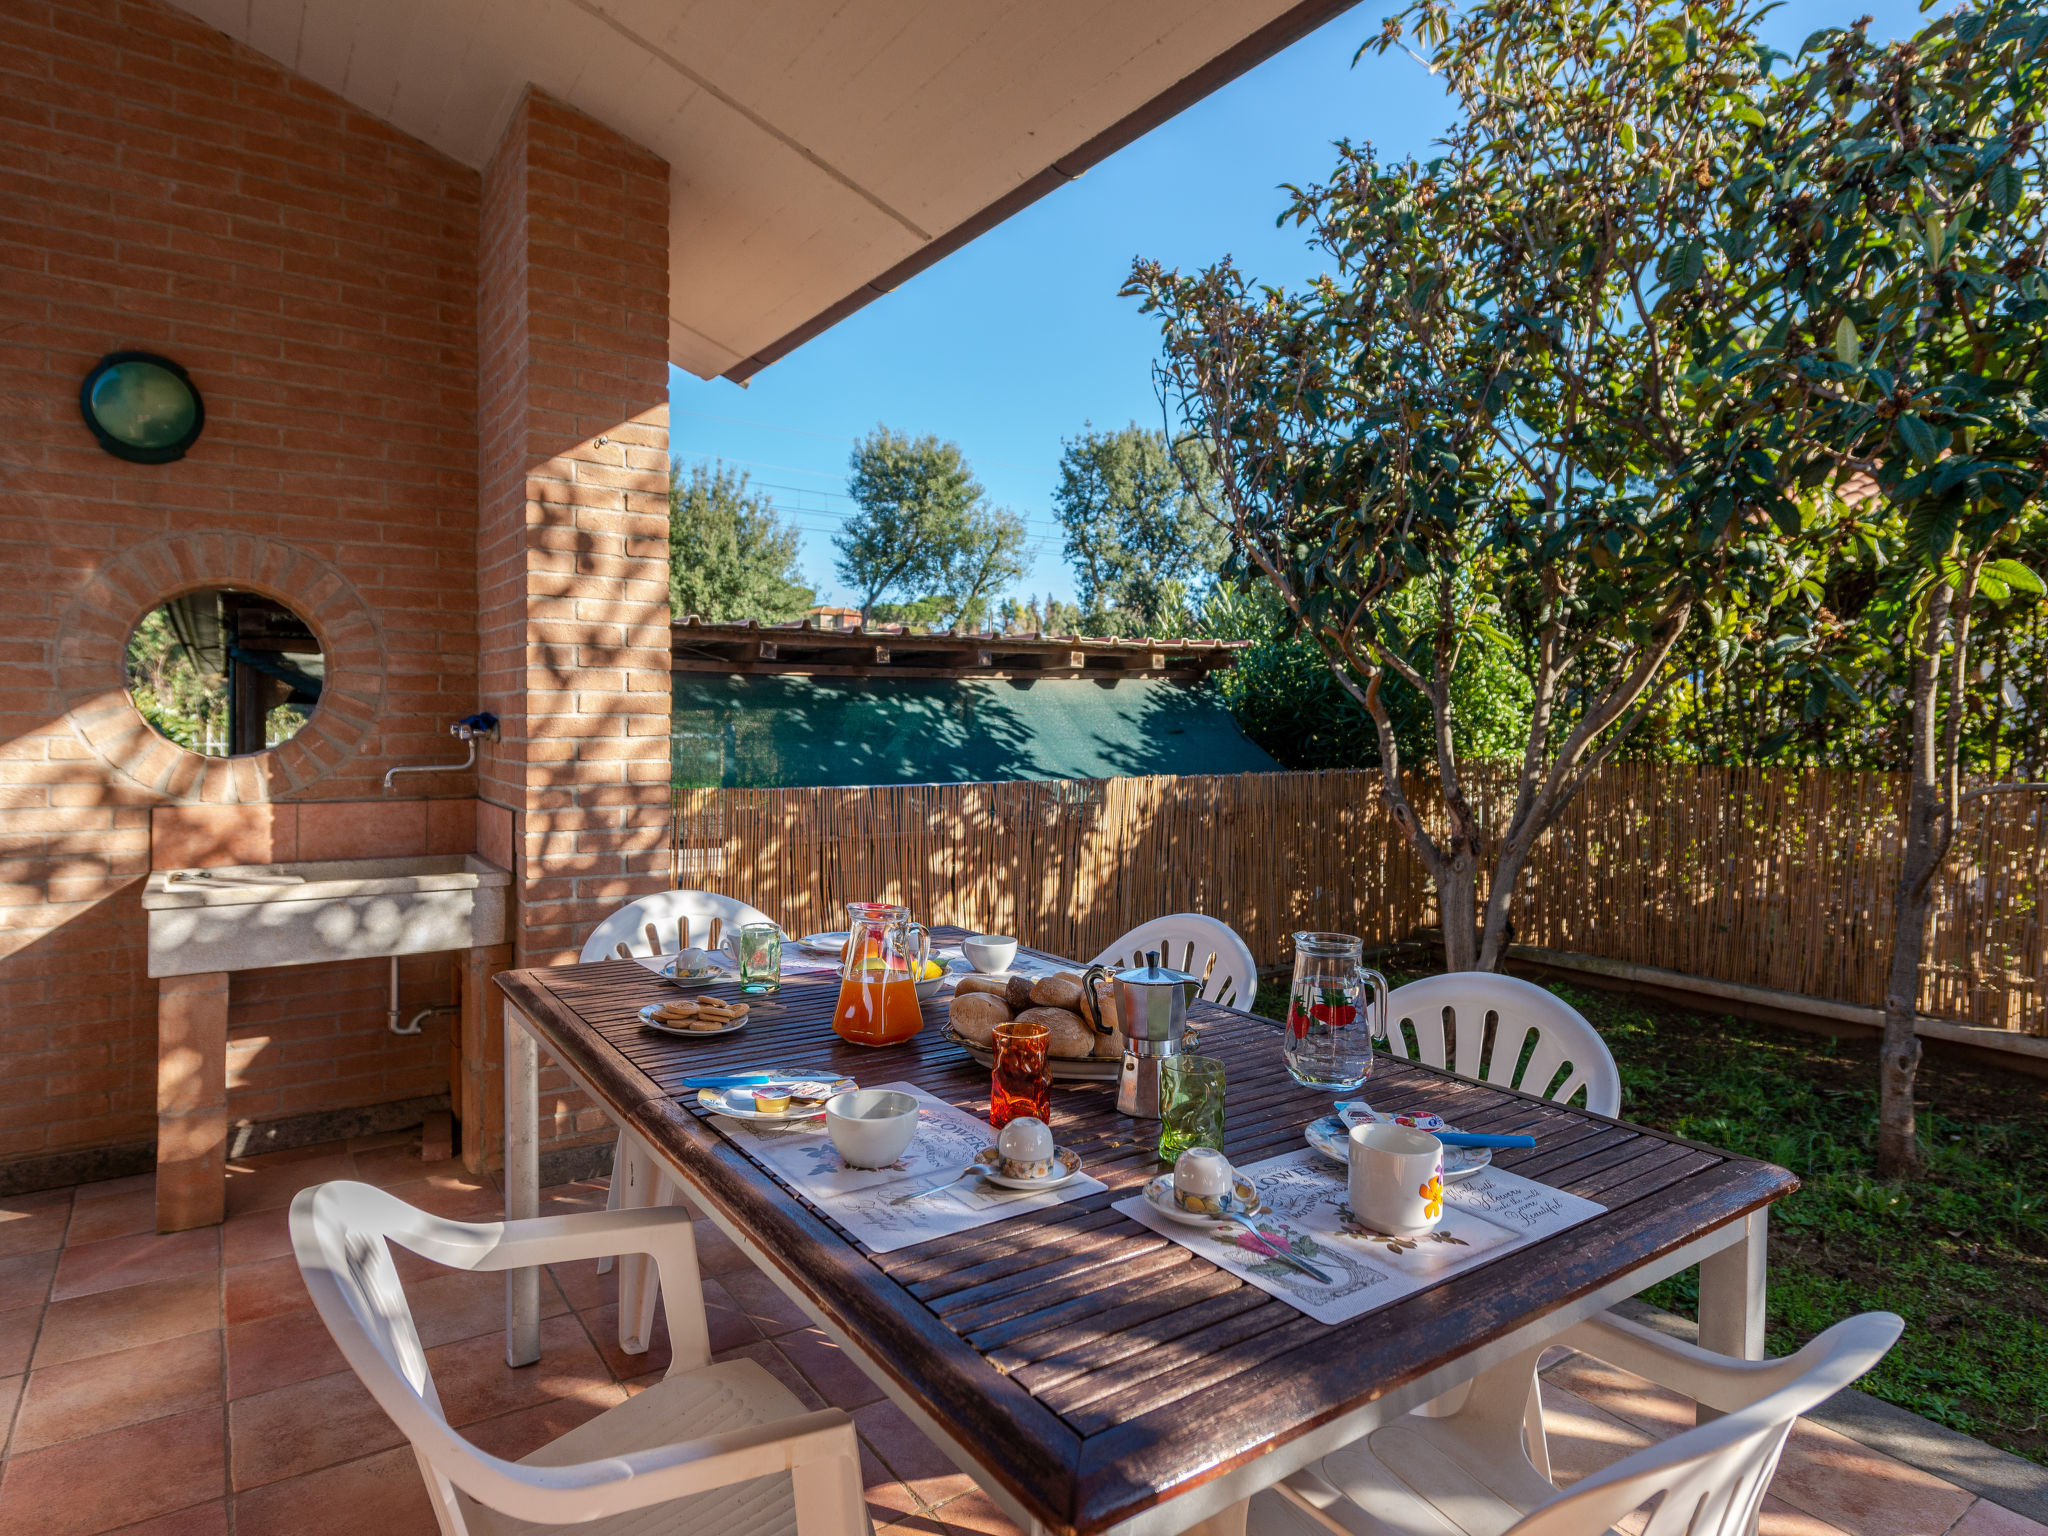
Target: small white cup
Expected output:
[989,953]
[871,1126]
[1396,1179]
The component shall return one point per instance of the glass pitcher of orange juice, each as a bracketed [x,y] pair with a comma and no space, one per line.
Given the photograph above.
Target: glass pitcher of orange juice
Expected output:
[885,954]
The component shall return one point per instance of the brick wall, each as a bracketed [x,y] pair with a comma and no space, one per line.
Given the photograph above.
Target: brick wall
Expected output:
[164,188]
[572,535]
[436,423]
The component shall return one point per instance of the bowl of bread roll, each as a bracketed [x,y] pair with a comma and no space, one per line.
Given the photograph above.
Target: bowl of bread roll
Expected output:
[1075,1049]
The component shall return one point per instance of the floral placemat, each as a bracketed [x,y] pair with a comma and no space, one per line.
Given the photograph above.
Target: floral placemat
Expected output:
[801,1154]
[1306,1209]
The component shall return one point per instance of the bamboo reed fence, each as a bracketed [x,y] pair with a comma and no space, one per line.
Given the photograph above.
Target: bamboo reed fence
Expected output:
[1771,878]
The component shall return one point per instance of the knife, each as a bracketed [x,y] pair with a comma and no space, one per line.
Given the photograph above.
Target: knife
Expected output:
[1475,1139]
[734,1079]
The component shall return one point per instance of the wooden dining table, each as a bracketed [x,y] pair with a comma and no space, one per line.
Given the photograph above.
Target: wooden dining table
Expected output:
[1091,1375]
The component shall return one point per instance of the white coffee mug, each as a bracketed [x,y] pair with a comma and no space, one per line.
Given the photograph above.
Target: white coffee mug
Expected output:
[1397,1178]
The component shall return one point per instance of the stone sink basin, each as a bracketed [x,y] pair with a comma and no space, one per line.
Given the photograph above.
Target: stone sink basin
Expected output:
[242,917]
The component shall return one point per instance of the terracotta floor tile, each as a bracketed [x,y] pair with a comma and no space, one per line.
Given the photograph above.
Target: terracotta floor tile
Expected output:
[602,1323]
[10,1394]
[525,1430]
[1656,1411]
[1583,1439]
[460,1304]
[119,1261]
[297,1429]
[277,1351]
[37,1202]
[838,1380]
[263,1289]
[25,1281]
[1988,1519]
[256,1235]
[18,1338]
[717,1253]
[270,1185]
[1832,1477]
[114,1216]
[758,1296]
[21,1234]
[909,1451]
[134,1474]
[107,1188]
[285,1157]
[888,1500]
[975,1514]
[778,1365]
[105,1321]
[1780,1519]
[584,1286]
[569,1199]
[475,1383]
[200,1520]
[401,1164]
[383,1494]
[360,1144]
[473,1199]
[107,1392]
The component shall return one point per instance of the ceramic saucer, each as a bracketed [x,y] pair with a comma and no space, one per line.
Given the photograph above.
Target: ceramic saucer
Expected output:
[1243,1200]
[739,1102]
[684,1032]
[1067,1167]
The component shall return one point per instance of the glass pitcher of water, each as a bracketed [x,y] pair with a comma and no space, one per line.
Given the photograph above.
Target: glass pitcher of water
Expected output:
[1335,1010]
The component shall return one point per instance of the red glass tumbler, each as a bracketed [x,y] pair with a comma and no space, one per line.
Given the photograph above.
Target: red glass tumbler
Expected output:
[1021,1083]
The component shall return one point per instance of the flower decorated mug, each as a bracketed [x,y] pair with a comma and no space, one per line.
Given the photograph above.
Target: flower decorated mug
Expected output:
[1396,1178]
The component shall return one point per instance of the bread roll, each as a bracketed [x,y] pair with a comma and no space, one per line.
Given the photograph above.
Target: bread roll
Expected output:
[996,984]
[1070,1034]
[975,1015]
[1017,992]
[1061,991]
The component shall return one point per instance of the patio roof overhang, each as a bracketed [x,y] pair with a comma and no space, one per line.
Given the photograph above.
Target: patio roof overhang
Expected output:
[821,153]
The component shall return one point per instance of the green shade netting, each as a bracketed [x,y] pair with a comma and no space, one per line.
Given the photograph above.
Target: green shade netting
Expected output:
[783,730]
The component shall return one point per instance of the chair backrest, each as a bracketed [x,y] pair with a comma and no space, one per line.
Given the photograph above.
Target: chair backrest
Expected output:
[628,925]
[1564,1052]
[341,1236]
[1207,948]
[1712,1479]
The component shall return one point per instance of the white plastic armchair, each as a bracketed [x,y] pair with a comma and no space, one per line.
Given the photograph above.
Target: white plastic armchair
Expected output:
[728,1446]
[660,911]
[1208,949]
[1568,1054]
[1478,1462]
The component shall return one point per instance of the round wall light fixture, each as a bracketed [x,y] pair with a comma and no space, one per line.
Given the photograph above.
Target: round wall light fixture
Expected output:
[141,407]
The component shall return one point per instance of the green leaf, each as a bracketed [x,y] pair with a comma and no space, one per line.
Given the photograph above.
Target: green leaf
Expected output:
[1625,135]
[1848,346]
[2014,575]
[2003,186]
[1918,437]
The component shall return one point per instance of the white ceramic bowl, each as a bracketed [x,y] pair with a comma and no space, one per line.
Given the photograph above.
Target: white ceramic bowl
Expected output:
[871,1126]
[989,953]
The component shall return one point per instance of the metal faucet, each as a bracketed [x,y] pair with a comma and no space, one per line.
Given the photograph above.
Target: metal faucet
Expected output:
[471,728]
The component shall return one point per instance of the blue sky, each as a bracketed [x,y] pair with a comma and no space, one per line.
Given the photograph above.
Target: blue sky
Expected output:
[1012,344]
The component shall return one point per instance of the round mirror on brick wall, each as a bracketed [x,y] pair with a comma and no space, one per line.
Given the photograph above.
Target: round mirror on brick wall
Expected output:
[224,672]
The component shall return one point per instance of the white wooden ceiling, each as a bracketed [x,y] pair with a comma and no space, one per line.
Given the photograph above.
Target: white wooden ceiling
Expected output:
[821,150]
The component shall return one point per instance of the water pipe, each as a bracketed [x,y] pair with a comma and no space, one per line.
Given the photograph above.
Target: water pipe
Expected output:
[481,726]
[411,1026]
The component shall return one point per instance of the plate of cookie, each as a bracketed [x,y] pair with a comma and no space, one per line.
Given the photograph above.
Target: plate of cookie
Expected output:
[695,1018]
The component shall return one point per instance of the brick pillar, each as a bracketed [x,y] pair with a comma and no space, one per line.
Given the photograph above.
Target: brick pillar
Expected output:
[572,531]
[191,1100]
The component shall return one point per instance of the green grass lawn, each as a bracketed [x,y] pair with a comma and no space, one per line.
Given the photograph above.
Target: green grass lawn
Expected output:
[1961,1254]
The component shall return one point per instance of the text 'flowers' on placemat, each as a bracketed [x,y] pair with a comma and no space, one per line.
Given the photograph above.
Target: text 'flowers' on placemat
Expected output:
[1305,1208]
[801,1154]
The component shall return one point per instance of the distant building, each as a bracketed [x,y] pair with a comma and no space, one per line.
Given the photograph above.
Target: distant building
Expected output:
[834,618]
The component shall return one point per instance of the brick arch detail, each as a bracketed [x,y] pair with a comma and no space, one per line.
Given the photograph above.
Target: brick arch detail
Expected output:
[92,642]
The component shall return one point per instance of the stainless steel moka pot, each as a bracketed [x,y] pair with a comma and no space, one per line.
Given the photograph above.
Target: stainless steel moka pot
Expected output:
[1152,1010]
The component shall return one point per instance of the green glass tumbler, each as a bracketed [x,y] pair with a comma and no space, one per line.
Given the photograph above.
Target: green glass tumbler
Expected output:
[1190,1105]
[759,950]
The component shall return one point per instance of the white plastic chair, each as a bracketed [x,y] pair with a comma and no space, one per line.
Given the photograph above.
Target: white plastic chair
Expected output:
[636,1178]
[1210,950]
[1473,1474]
[724,1448]
[1563,1038]
[629,924]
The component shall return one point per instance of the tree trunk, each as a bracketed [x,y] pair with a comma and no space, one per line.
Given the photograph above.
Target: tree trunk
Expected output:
[1898,1146]
[1457,904]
